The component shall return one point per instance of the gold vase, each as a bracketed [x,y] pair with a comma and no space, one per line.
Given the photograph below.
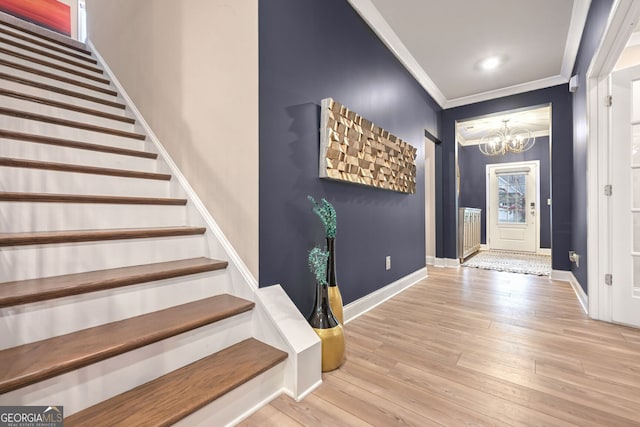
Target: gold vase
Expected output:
[328,329]
[335,298]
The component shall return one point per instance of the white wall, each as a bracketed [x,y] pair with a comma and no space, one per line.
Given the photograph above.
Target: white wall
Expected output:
[191,67]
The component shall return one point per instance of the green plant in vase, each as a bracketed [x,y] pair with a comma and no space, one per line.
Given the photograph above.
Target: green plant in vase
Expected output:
[322,319]
[327,214]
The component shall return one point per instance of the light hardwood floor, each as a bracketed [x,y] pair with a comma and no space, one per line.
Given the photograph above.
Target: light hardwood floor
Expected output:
[476,347]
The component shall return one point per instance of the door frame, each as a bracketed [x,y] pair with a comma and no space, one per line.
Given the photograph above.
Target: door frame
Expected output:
[622,21]
[514,165]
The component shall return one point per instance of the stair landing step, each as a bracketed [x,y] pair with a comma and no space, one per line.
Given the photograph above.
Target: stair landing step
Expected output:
[50,36]
[30,363]
[66,167]
[46,288]
[168,399]
[74,236]
[42,139]
[83,198]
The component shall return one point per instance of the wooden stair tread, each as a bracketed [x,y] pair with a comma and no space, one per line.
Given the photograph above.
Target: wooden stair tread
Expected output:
[51,88]
[83,57]
[171,397]
[8,196]
[97,76]
[69,123]
[58,77]
[72,236]
[48,54]
[66,106]
[65,167]
[46,288]
[34,362]
[41,139]
[35,31]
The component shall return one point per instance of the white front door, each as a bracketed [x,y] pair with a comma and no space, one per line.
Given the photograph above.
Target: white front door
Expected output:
[625,197]
[512,206]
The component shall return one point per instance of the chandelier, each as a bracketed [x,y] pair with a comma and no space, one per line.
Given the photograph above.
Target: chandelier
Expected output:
[506,141]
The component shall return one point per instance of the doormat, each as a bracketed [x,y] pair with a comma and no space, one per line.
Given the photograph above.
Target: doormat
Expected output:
[514,262]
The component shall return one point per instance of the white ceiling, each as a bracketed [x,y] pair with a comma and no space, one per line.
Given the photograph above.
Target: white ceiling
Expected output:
[441,43]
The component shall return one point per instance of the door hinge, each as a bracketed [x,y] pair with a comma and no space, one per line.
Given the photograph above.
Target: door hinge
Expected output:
[608,279]
[608,190]
[608,101]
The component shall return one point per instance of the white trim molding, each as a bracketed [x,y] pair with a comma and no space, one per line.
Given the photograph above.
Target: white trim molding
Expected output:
[374,299]
[431,260]
[567,276]
[447,262]
[367,10]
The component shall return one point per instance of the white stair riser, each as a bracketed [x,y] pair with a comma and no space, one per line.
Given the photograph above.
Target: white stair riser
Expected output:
[19,217]
[48,69]
[29,262]
[17,179]
[62,113]
[28,323]
[44,93]
[239,403]
[70,133]
[57,83]
[31,37]
[52,60]
[92,384]
[51,153]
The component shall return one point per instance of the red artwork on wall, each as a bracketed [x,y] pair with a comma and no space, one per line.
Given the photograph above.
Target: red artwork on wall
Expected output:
[50,14]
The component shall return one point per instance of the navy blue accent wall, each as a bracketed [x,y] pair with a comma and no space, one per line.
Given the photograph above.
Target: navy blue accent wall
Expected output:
[594,28]
[473,189]
[561,165]
[310,50]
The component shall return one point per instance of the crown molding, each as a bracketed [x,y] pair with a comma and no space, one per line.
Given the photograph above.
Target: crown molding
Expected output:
[375,20]
[379,25]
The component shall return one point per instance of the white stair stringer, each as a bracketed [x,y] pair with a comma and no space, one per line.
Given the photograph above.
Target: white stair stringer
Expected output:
[94,383]
[276,321]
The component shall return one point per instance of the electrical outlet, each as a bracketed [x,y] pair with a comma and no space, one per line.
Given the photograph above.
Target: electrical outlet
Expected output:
[387,262]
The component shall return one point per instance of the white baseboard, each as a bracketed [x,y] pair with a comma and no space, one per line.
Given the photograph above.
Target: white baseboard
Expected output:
[484,247]
[544,251]
[368,302]
[431,260]
[567,276]
[447,262]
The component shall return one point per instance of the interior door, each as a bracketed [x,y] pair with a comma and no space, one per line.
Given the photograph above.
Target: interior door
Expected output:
[625,197]
[512,207]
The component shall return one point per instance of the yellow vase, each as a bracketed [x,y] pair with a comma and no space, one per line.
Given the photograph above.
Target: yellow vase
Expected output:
[335,298]
[335,301]
[332,347]
[328,329]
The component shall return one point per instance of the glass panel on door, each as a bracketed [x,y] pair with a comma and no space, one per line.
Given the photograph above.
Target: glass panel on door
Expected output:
[511,198]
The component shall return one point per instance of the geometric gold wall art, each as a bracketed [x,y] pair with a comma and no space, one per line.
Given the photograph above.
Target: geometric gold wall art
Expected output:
[353,149]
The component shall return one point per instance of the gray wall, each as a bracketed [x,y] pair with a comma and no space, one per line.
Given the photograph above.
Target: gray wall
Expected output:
[310,50]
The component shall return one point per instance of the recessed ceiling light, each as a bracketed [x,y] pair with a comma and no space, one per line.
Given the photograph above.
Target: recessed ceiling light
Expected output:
[490,63]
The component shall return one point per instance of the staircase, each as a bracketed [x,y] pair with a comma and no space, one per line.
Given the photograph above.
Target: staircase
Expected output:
[116,299]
